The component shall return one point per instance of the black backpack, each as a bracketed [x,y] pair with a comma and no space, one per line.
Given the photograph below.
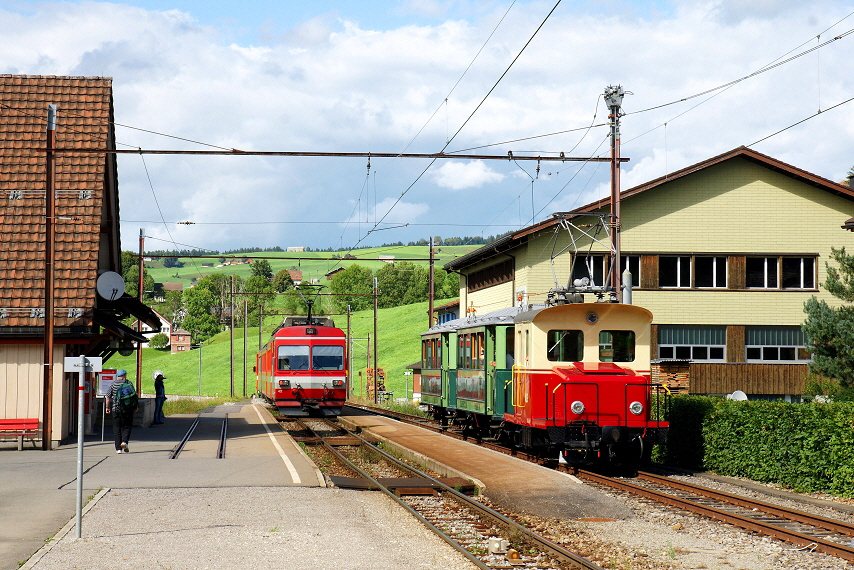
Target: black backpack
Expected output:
[126,397]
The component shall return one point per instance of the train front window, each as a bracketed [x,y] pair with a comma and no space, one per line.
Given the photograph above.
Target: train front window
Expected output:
[565,346]
[292,357]
[616,346]
[327,357]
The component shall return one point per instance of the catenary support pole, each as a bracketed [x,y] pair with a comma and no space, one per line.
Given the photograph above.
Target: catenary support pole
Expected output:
[431,287]
[50,206]
[245,331]
[614,100]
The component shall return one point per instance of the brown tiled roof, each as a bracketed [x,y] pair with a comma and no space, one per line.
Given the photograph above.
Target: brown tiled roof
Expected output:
[86,196]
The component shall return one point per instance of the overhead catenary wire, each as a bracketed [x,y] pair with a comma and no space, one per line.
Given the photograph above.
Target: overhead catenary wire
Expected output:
[495,85]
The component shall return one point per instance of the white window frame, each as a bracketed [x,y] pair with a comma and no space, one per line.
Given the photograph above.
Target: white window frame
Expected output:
[691,347]
[762,347]
[715,259]
[802,272]
[679,284]
[765,272]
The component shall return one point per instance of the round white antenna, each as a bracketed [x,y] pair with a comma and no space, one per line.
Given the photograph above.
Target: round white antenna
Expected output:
[110,285]
[739,396]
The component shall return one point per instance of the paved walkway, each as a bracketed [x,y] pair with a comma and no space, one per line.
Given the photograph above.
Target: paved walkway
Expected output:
[38,488]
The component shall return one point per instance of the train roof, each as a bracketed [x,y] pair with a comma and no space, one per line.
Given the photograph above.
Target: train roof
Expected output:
[502,316]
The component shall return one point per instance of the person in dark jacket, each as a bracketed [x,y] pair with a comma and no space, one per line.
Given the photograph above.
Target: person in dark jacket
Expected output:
[122,419]
[159,396]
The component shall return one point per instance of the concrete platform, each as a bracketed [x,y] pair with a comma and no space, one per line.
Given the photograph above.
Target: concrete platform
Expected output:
[510,482]
[38,488]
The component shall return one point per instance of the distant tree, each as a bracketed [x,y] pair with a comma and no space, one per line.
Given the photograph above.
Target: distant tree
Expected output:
[220,286]
[172,262]
[132,282]
[401,283]
[173,308]
[159,340]
[830,330]
[446,285]
[258,285]
[354,280]
[129,260]
[200,321]
[261,268]
[282,281]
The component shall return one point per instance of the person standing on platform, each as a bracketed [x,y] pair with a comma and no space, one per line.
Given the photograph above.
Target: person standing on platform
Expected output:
[159,396]
[121,404]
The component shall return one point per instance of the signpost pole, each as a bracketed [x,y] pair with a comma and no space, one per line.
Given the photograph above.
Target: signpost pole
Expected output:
[81,386]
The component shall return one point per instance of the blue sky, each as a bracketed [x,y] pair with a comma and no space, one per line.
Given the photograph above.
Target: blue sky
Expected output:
[375,76]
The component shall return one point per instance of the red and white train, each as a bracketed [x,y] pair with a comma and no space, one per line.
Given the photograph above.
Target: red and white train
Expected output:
[302,369]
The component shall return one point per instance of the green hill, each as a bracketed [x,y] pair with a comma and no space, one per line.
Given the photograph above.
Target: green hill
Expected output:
[315,267]
[399,345]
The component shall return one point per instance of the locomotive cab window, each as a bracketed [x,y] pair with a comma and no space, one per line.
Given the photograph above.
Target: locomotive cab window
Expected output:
[327,357]
[616,346]
[292,357]
[565,346]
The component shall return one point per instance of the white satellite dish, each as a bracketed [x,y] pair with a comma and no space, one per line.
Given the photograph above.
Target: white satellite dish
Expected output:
[738,396]
[110,285]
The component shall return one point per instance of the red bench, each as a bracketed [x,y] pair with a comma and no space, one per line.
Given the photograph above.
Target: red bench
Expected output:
[20,428]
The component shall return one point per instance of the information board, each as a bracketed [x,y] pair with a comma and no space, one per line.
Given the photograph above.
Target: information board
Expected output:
[105,380]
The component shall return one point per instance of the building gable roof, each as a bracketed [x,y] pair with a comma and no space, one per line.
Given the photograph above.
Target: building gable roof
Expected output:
[86,190]
[515,239]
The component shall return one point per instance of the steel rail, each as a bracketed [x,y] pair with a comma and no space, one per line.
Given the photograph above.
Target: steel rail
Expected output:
[223,434]
[471,557]
[178,448]
[544,544]
[775,531]
[776,510]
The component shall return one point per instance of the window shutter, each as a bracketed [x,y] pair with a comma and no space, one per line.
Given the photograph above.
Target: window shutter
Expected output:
[737,278]
[649,272]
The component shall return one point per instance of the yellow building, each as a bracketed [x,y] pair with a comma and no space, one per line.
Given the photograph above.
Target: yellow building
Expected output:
[724,253]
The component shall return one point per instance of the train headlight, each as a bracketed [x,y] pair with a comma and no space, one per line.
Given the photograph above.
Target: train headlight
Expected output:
[337,383]
[577,407]
[284,383]
[636,408]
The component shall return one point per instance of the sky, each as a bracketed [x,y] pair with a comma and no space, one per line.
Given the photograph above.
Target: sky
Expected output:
[393,76]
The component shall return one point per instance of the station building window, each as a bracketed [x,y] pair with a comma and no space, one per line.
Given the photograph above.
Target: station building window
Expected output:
[688,342]
[775,344]
[674,271]
[780,272]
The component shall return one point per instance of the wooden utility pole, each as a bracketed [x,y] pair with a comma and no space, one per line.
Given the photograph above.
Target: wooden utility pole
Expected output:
[49,238]
[141,284]
[231,330]
[245,330]
[376,367]
[431,287]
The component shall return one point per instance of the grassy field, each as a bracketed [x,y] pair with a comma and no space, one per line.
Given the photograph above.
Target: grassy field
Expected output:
[315,267]
[399,346]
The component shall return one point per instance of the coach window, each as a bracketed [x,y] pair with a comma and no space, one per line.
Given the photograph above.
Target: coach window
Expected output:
[292,357]
[329,357]
[565,346]
[616,346]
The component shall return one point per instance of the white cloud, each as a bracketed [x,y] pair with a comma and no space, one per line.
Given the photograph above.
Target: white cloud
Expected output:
[331,85]
[457,175]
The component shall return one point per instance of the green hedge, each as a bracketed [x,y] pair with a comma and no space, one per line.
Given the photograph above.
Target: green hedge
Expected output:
[805,447]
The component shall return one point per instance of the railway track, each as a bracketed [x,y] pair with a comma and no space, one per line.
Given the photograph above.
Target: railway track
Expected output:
[812,532]
[796,527]
[210,429]
[487,538]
